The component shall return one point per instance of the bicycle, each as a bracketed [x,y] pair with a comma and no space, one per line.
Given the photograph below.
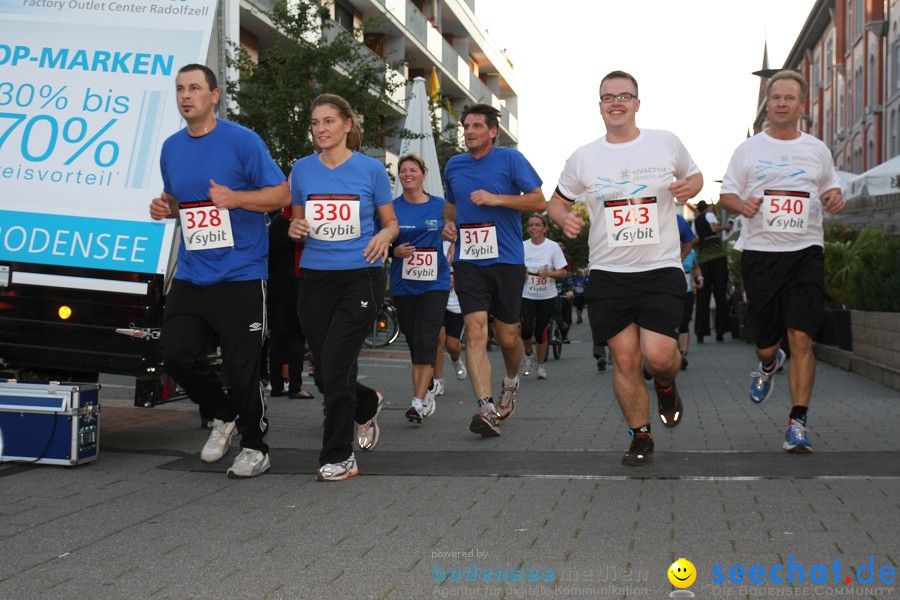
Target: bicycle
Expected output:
[385,328]
[554,330]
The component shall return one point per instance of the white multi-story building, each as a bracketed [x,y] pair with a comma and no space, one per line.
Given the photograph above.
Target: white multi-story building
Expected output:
[439,35]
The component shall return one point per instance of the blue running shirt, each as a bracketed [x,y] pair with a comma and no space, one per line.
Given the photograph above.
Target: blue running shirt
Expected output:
[421,226]
[501,171]
[235,157]
[353,189]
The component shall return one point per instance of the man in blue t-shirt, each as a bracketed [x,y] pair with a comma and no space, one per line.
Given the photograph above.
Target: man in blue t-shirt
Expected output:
[487,188]
[219,181]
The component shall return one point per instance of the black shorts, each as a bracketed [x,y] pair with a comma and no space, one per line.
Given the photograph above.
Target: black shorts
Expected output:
[495,289]
[453,322]
[535,318]
[420,318]
[654,300]
[784,289]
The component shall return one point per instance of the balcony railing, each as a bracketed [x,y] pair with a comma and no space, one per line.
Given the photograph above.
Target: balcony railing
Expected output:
[332,29]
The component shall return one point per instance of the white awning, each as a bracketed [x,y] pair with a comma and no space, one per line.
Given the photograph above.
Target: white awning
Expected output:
[878,181]
[846,178]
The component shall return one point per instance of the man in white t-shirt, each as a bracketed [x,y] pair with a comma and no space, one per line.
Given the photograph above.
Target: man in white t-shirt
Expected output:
[630,179]
[781,181]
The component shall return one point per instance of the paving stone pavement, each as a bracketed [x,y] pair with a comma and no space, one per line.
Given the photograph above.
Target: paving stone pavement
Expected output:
[131,526]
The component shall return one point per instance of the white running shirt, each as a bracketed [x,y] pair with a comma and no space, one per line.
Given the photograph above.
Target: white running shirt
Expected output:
[536,256]
[798,171]
[633,225]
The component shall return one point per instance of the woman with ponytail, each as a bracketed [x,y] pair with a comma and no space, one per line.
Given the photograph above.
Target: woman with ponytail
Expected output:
[337,194]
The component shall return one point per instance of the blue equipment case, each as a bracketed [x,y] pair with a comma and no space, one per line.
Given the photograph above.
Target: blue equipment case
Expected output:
[49,423]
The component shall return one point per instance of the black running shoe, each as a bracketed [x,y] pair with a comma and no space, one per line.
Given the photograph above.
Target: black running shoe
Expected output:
[669,403]
[641,450]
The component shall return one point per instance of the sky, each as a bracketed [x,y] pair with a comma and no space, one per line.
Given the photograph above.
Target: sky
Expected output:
[692,59]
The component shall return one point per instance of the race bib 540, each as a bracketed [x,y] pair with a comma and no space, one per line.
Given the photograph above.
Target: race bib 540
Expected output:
[785,211]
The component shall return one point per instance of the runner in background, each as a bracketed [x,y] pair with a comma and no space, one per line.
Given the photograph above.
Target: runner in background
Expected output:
[487,188]
[451,334]
[545,264]
[420,279]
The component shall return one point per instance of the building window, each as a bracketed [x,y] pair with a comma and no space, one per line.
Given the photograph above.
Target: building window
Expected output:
[849,105]
[857,154]
[859,15]
[858,100]
[895,64]
[870,155]
[343,15]
[848,33]
[895,149]
[829,60]
[817,74]
[839,109]
[872,100]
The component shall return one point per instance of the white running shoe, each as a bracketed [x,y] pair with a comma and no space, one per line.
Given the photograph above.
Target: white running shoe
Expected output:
[338,471]
[368,433]
[485,422]
[507,404]
[415,411]
[460,367]
[439,387]
[249,463]
[527,365]
[429,405]
[219,441]
[541,372]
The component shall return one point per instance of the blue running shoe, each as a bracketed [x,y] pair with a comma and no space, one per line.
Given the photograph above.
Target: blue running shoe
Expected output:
[795,439]
[762,385]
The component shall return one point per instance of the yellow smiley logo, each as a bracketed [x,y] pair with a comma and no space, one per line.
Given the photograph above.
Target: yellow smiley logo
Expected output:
[682,573]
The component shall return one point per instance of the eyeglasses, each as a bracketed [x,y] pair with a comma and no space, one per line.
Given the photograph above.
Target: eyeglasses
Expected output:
[607,98]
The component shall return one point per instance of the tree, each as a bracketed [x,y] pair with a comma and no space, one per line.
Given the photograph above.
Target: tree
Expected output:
[446,139]
[312,55]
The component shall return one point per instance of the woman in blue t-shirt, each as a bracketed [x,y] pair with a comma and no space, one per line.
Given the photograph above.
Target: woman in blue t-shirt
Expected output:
[420,279]
[336,195]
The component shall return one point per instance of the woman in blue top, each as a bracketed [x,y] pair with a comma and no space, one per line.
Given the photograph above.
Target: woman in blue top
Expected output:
[420,279]
[336,194]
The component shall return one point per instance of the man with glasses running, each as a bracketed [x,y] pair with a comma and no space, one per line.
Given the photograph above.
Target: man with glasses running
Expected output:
[630,179]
